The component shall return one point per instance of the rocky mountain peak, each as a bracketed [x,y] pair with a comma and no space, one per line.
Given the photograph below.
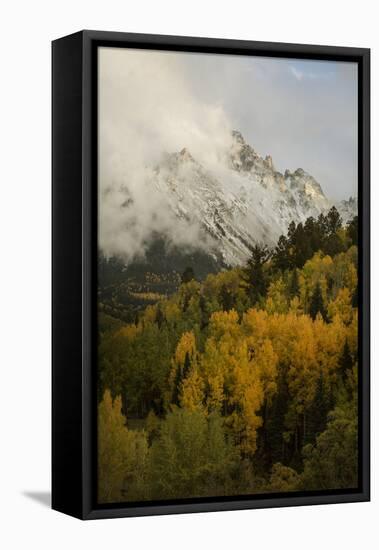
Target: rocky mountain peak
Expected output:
[236,134]
[269,163]
[248,203]
[242,155]
[185,155]
[304,183]
[299,172]
[348,208]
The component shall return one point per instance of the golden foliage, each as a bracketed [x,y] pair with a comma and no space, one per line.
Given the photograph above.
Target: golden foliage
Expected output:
[129,332]
[223,360]
[186,345]
[192,393]
[341,306]
[121,453]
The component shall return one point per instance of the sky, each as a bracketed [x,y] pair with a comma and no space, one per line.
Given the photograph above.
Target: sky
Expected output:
[302,113]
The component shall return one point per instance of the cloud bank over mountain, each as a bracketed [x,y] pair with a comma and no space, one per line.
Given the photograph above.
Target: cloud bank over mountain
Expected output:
[152,103]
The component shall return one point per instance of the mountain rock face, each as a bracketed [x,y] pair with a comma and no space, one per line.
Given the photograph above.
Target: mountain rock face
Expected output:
[348,209]
[244,202]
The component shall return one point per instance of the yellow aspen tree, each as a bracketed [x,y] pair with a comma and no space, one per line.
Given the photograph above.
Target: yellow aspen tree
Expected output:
[315,271]
[224,323]
[295,306]
[330,338]
[282,332]
[256,325]
[129,332]
[186,344]
[149,315]
[192,394]
[122,454]
[216,364]
[341,306]
[213,368]
[276,297]
[185,351]
[303,371]
[171,311]
[248,395]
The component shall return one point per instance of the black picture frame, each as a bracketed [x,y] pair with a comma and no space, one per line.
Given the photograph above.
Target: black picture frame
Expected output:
[74,271]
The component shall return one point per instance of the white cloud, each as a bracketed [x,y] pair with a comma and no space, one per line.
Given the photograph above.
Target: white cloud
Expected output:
[146,108]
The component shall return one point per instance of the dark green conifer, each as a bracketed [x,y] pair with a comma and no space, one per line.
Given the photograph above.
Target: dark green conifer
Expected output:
[226,297]
[188,275]
[255,279]
[345,363]
[294,284]
[317,304]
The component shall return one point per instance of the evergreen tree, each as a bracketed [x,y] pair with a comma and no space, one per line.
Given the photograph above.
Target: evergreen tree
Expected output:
[177,385]
[352,230]
[274,445]
[345,363]
[188,275]
[355,297]
[204,316]
[291,233]
[182,372]
[333,243]
[313,233]
[159,318]
[333,221]
[317,304]
[226,297]
[317,413]
[294,284]
[332,463]
[281,257]
[186,366]
[302,249]
[322,227]
[329,285]
[254,276]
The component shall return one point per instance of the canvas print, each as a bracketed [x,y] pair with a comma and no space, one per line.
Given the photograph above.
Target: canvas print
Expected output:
[227,276]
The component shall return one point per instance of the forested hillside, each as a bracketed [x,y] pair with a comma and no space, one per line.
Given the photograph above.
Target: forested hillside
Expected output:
[123,290]
[242,382]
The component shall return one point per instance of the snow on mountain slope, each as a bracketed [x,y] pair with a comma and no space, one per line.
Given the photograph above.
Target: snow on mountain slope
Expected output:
[348,209]
[243,200]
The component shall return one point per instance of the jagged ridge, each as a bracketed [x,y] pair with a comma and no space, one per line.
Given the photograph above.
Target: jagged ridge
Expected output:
[249,202]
